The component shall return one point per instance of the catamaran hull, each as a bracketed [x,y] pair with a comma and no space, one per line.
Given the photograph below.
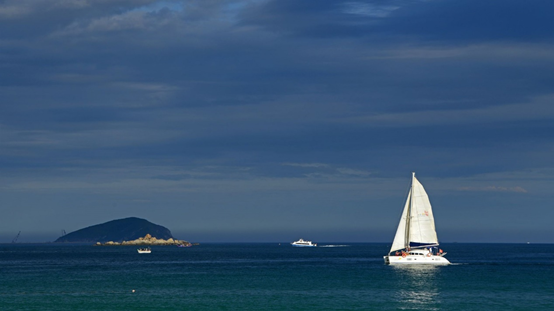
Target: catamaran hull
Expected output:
[299,245]
[416,260]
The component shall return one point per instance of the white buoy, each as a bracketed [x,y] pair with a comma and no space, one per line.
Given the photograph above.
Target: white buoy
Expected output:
[133,290]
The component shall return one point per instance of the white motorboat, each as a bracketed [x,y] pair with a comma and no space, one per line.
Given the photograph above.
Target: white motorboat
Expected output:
[144,250]
[302,243]
[416,239]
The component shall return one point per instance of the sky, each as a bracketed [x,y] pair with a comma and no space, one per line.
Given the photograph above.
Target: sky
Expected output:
[273,120]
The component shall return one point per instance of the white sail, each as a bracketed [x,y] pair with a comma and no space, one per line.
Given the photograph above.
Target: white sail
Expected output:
[417,225]
[422,223]
[400,237]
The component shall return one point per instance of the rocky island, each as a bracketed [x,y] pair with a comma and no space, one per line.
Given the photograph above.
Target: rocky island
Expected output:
[147,240]
[127,231]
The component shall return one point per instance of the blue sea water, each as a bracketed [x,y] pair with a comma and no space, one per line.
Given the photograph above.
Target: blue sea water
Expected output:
[272,277]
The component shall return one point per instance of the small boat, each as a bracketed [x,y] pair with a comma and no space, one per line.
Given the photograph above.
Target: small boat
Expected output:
[184,245]
[144,250]
[302,243]
[416,239]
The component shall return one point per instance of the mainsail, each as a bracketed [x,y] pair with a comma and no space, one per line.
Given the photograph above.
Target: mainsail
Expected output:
[417,225]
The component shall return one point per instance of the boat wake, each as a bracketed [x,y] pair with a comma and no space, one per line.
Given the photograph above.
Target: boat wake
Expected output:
[334,245]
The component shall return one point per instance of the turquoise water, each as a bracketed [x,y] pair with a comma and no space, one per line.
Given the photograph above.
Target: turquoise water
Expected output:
[272,277]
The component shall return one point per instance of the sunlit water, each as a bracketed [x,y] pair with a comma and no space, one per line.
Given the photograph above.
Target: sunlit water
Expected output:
[273,277]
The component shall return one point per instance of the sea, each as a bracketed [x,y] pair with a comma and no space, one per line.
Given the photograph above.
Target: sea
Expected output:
[273,276]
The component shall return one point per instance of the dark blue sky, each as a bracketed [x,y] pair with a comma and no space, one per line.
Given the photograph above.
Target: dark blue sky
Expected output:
[271,120]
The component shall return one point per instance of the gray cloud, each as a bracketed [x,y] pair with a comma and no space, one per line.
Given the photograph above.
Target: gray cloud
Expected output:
[495,189]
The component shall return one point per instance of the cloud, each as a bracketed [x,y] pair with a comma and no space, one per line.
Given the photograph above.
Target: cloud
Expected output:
[494,189]
[353,172]
[13,12]
[73,4]
[485,52]
[369,9]
[128,21]
[321,171]
[314,165]
[539,108]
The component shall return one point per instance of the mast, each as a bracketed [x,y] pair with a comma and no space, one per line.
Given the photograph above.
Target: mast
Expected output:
[409,214]
[16,237]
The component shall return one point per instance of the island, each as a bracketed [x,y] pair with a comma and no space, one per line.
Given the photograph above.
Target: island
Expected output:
[127,231]
[147,240]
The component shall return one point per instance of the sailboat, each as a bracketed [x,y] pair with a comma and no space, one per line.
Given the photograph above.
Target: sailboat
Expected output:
[416,240]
